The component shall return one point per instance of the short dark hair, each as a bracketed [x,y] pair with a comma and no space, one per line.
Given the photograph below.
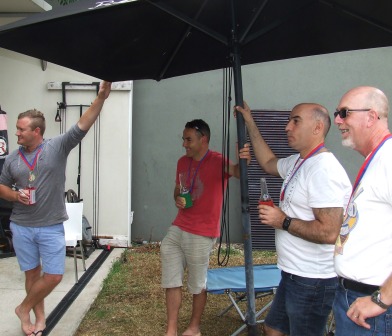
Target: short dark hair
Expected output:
[37,119]
[200,126]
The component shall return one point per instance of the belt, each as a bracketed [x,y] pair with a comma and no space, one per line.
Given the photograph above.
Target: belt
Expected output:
[357,286]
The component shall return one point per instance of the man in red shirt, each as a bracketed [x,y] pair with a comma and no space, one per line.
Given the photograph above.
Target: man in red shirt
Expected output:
[191,237]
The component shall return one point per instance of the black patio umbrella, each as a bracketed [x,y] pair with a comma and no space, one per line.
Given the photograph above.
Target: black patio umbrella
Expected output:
[155,39]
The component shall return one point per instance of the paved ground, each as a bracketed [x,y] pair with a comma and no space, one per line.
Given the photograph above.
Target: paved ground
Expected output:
[12,293]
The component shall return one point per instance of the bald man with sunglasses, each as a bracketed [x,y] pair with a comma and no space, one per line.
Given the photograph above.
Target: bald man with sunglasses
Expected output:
[363,250]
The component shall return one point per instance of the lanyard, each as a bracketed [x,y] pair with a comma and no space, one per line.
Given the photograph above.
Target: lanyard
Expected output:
[313,152]
[33,163]
[366,164]
[197,169]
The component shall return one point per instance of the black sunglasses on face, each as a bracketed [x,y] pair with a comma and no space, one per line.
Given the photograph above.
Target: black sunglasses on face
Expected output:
[343,112]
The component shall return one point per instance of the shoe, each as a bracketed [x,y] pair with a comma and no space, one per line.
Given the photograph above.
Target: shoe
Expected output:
[38,332]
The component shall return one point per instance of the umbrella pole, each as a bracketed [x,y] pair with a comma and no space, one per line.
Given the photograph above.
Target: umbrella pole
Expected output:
[245,216]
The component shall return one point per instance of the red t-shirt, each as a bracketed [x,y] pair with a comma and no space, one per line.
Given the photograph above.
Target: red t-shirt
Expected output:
[209,183]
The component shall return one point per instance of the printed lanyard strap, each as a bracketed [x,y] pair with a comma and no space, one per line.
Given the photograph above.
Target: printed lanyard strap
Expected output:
[35,159]
[366,164]
[313,152]
[197,169]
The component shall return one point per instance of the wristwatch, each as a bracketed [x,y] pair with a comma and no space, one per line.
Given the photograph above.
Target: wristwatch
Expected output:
[376,298]
[286,223]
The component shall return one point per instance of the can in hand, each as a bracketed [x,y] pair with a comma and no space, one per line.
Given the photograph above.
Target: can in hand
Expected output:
[30,192]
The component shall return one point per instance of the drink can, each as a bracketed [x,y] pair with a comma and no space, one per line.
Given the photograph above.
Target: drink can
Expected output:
[30,191]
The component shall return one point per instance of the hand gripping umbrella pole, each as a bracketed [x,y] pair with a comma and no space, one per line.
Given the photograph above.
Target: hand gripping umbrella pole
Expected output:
[245,216]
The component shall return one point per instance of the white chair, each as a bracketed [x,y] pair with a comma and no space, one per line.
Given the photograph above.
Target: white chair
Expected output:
[73,232]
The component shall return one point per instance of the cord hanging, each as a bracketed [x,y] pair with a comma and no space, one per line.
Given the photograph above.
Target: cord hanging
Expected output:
[225,222]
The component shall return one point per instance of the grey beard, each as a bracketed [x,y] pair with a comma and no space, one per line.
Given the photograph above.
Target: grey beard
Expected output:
[348,143]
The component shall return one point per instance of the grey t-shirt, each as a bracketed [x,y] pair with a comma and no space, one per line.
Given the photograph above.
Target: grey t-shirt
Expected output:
[49,173]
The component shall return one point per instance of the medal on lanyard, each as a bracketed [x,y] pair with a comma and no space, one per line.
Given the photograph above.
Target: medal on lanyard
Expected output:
[31,178]
[185,190]
[31,165]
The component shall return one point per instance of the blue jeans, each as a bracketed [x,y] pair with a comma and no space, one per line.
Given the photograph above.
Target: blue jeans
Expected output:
[301,305]
[380,325]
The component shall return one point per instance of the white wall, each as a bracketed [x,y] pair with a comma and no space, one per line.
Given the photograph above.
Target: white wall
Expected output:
[23,85]
[162,109]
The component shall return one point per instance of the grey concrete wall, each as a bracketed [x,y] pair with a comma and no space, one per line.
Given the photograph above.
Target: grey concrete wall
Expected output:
[162,109]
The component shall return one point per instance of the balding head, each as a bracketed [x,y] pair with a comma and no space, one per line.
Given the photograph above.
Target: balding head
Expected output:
[318,113]
[366,97]
[365,123]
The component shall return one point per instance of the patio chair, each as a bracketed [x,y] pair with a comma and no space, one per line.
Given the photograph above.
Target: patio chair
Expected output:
[231,281]
[73,229]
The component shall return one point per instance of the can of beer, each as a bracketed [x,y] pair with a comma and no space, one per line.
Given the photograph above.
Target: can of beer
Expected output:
[30,191]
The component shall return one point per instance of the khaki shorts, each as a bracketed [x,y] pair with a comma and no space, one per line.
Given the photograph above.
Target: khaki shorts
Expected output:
[181,250]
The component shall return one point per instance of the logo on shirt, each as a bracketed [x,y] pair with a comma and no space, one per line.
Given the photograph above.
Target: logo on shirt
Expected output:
[350,221]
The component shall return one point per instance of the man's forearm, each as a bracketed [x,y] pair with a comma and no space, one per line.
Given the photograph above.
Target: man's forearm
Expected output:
[89,117]
[8,194]
[263,153]
[322,230]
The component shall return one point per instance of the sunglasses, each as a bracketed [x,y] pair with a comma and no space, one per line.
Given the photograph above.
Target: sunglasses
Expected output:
[343,112]
[199,130]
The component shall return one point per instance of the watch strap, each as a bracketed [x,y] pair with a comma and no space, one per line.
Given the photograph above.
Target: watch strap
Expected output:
[286,223]
[376,298]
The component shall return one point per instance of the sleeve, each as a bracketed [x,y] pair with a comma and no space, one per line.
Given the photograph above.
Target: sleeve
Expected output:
[285,165]
[328,185]
[69,139]
[6,177]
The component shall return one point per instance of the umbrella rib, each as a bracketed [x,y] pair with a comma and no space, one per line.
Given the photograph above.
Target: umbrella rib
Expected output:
[215,35]
[358,16]
[275,24]
[184,36]
[254,18]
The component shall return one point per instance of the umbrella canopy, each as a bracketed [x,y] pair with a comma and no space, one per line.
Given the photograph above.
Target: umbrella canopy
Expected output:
[155,39]
[120,40]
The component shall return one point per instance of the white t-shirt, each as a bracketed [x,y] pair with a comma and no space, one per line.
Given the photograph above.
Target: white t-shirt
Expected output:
[321,182]
[363,251]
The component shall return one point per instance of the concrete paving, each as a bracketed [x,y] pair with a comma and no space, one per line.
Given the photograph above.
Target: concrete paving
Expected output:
[12,293]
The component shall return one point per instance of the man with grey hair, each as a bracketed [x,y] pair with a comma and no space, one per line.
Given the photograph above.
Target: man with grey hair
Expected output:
[33,178]
[363,250]
[315,190]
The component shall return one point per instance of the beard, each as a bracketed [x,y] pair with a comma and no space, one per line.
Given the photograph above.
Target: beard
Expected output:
[348,143]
